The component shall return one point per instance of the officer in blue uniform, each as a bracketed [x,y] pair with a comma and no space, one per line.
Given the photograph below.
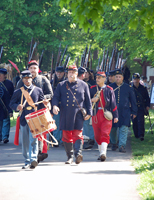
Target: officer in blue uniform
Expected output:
[59,76]
[143,104]
[29,144]
[4,105]
[126,104]
[8,85]
[73,94]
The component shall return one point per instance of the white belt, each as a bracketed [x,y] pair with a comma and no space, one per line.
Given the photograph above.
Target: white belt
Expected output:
[100,108]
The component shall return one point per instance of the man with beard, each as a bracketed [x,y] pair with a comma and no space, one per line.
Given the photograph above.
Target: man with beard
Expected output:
[126,104]
[43,83]
[58,77]
[73,94]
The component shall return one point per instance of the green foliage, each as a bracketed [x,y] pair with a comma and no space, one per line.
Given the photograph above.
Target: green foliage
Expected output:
[88,14]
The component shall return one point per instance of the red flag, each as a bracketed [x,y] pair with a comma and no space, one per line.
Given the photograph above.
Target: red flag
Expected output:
[14,65]
[16,137]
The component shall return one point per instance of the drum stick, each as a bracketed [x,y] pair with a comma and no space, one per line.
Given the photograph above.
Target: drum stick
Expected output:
[41,101]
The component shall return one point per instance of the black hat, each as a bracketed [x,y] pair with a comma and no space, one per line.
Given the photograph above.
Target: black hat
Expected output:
[112,73]
[3,71]
[81,70]
[60,69]
[118,72]
[136,75]
[26,73]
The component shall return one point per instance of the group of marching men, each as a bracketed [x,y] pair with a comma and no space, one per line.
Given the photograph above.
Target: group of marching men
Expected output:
[108,101]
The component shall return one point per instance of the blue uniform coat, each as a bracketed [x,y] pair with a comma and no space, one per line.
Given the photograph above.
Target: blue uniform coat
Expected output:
[37,95]
[126,103]
[70,115]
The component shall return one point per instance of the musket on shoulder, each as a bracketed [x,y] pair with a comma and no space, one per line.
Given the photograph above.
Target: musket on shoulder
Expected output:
[66,60]
[102,63]
[60,64]
[117,63]
[1,53]
[106,60]
[58,56]
[52,61]
[88,57]
[41,57]
[121,57]
[84,56]
[32,51]
[111,60]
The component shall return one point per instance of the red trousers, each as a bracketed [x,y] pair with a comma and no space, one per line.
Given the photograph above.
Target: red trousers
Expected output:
[102,128]
[72,136]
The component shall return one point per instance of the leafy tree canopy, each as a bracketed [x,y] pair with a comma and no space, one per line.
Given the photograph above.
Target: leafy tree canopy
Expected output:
[89,13]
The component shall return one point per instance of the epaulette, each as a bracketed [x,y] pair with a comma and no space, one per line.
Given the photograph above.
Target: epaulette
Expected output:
[109,87]
[92,86]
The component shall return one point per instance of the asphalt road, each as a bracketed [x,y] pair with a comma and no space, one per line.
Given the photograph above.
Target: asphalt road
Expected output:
[52,179]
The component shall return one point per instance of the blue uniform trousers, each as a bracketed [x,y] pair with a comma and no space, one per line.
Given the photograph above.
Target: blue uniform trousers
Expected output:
[29,145]
[123,132]
[138,124]
[57,133]
[6,128]
[1,125]
[88,129]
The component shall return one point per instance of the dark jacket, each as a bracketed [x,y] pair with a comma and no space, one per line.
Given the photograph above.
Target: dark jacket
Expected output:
[37,95]
[70,115]
[126,103]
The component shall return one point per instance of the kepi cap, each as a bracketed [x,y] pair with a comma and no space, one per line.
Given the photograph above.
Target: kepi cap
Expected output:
[99,73]
[32,62]
[60,69]
[26,73]
[72,67]
[118,72]
[3,71]
[81,70]
[136,75]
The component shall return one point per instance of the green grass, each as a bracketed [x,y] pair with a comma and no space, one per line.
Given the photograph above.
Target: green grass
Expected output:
[14,119]
[143,160]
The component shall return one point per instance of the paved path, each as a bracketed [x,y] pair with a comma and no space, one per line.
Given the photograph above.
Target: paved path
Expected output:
[52,179]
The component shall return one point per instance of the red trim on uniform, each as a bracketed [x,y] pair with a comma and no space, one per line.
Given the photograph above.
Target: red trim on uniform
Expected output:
[92,86]
[109,87]
[115,109]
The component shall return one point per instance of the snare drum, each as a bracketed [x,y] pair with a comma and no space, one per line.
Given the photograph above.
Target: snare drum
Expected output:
[40,122]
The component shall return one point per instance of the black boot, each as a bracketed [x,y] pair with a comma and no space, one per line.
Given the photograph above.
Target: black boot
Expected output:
[69,151]
[78,151]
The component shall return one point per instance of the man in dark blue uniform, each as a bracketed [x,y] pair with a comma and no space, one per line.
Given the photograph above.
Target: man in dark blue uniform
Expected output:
[29,144]
[59,76]
[43,83]
[143,104]
[126,104]
[73,94]
[8,86]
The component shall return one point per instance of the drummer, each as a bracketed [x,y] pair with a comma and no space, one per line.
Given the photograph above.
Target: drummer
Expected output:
[29,144]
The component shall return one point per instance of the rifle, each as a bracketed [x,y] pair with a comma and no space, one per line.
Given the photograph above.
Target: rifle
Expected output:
[97,68]
[1,53]
[84,56]
[58,56]
[106,61]
[90,63]
[102,63]
[87,61]
[63,56]
[52,60]
[77,61]
[117,63]
[121,59]
[66,61]
[41,57]
[32,51]
[111,60]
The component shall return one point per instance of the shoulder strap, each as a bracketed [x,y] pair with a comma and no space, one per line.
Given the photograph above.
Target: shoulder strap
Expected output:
[118,87]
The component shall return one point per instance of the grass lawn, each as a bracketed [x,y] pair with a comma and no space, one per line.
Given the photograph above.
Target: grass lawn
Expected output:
[143,160]
[13,119]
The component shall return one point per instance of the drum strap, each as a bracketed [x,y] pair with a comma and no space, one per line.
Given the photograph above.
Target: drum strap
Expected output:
[28,97]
